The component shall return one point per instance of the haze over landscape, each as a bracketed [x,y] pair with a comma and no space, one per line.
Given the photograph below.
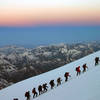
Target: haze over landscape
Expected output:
[45,35]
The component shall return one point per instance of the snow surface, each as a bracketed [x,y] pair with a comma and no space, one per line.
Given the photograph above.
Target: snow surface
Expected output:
[84,87]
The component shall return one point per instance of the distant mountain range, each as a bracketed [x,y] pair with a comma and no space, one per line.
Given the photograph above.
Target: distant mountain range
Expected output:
[19,63]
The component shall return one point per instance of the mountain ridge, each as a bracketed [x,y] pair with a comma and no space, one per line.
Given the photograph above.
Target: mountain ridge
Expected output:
[19,63]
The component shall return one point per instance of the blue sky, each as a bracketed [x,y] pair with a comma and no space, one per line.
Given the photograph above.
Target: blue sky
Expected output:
[48,35]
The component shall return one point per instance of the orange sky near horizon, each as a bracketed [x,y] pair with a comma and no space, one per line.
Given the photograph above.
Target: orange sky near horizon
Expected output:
[23,15]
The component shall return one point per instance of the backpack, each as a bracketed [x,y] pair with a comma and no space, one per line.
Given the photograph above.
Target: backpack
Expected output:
[76,68]
[66,74]
[26,94]
[33,91]
[15,99]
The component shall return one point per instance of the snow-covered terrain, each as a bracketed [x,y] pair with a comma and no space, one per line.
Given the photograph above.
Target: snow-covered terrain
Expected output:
[84,87]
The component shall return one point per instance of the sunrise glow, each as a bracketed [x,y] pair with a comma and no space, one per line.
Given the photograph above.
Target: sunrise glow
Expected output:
[37,12]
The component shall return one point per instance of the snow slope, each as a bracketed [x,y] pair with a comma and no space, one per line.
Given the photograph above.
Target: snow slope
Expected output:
[84,87]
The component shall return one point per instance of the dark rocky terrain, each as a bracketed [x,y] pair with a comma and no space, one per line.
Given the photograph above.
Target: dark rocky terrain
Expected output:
[19,63]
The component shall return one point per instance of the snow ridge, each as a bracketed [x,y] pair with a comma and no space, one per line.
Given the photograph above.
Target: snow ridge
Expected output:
[84,87]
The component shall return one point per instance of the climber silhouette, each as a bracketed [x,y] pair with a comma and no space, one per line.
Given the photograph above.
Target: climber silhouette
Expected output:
[27,95]
[45,87]
[66,75]
[35,94]
[84,68]
[52,84]
[59,81]
[78,70]
[96,61]
[40,89]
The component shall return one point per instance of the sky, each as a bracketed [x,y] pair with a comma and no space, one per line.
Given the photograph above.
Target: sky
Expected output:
[39,12]
[37,22]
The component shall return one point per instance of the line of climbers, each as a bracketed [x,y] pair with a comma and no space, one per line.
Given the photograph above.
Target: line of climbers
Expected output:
[44,88]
